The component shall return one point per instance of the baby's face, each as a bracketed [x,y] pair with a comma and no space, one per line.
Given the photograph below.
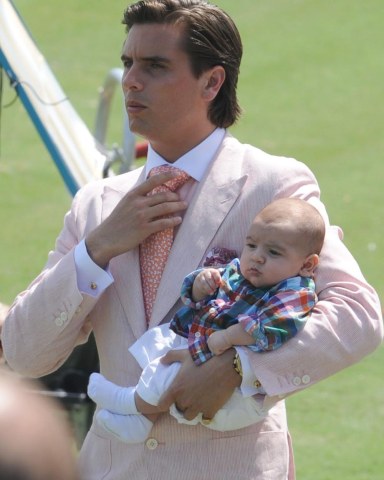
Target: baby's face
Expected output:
[270,254]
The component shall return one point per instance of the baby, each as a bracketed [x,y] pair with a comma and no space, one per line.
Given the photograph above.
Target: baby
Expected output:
[259,302]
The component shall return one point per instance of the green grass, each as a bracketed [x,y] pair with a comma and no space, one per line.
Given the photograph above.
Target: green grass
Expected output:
[311,87]
[337,425]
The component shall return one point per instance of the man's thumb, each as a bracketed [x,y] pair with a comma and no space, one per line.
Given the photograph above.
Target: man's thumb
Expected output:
[174,356]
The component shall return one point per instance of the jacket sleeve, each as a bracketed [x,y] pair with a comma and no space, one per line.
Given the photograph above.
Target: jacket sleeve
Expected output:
[49,318]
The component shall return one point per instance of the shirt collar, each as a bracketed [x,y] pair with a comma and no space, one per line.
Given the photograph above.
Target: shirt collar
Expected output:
[196,161]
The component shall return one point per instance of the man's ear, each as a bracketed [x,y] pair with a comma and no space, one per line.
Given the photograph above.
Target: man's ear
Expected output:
[309,265]
[213,79]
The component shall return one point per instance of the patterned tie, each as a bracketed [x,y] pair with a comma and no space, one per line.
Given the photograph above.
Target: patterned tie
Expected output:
[155,249]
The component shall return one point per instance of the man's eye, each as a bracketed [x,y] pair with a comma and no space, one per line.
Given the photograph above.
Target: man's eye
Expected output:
[127,64]
[156,66]
[251,245]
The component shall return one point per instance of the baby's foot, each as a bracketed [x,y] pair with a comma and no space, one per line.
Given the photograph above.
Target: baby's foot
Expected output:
[127,428]
[111,396]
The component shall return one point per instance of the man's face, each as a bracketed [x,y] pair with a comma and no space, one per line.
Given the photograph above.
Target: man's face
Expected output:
[164,101]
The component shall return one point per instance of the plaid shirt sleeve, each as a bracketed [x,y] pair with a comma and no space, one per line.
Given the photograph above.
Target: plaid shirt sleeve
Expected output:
[195,320]
[184,317]
[280,314]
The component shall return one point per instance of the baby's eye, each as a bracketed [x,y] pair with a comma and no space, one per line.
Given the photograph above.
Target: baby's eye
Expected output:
[274,253]
[251,245]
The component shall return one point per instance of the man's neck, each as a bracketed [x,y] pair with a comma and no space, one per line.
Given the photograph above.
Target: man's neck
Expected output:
[176,148]
[196,160]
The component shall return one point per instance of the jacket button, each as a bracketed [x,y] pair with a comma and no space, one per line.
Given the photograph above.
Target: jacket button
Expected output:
[306,379]
[59,322]
[151,443]
[297,381]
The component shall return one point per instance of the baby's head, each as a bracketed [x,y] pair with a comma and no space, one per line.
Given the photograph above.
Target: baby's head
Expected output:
[284,240]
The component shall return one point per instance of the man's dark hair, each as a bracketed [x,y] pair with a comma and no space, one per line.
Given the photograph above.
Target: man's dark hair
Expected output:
[211,39]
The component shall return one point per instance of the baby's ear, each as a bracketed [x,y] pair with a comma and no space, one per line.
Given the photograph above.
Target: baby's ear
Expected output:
[309,265]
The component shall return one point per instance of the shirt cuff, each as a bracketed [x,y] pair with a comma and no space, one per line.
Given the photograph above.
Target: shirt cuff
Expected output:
[91,279]
[250,384]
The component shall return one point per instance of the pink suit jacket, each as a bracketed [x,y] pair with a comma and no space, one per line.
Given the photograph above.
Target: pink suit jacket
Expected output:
[52,316]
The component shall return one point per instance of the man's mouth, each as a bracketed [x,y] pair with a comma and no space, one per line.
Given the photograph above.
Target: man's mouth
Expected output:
[134,106]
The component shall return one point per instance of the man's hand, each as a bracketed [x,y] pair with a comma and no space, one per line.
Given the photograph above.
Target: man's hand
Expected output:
[135,217]
[205,388]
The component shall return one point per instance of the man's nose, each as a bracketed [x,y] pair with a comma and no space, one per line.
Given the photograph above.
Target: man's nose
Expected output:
[131,79]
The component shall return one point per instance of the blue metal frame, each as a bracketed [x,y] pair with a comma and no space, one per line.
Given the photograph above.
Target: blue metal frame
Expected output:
[42,131]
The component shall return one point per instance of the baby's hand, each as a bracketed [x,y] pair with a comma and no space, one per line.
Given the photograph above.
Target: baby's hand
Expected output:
[218,342]
[206,283]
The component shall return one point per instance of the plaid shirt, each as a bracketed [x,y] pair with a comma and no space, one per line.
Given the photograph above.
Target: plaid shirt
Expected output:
[271,315]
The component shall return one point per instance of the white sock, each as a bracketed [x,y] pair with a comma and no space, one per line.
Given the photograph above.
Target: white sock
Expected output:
[111,396]
[127,428]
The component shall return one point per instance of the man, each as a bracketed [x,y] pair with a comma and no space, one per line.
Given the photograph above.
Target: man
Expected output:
[181,61]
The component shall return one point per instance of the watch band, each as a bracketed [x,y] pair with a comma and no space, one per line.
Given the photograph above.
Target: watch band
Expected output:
[237,364]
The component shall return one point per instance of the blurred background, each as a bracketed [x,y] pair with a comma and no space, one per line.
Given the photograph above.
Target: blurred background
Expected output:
[311,88]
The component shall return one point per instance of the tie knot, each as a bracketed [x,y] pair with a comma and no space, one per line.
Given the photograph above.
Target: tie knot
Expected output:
[173,184]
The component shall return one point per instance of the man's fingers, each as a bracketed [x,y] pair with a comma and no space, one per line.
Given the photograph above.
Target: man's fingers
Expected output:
[191,413]
[159,211]
[174,356]
[166,400]
[162,210]
[162,224]
[160,198]
[154,182]
[169,397]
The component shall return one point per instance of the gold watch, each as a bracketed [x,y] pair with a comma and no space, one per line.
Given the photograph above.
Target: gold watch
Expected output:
[237,364]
